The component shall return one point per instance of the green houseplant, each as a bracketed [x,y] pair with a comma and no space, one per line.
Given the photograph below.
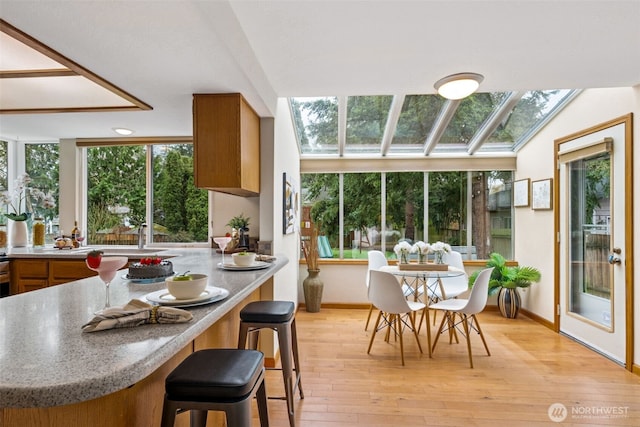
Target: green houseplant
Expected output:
[240,224]
[505,280]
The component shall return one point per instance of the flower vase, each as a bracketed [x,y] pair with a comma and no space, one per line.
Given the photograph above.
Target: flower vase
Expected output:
[18,234]
[439,257]
[404,258]
[312,287]
[422,258]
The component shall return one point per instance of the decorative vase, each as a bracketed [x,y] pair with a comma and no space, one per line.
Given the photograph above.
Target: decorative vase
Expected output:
[422,258]
[312,287]
[509,302]
[18,234]
[404,258]
[439,257]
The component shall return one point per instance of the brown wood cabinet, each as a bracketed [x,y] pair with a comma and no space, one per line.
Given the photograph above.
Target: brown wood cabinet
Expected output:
[226,140]
[31,274]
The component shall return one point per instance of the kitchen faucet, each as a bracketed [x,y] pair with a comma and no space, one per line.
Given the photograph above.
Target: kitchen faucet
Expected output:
[141,228]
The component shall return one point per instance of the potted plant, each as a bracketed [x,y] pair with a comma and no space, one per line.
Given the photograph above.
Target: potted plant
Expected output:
[240,224]
[505,280]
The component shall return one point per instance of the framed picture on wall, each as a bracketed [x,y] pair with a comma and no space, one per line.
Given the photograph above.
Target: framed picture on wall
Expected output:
[521,193]
[541,193]
[290,204]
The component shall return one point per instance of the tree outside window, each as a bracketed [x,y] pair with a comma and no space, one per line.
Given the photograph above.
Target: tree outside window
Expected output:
[117,195]
[367,227]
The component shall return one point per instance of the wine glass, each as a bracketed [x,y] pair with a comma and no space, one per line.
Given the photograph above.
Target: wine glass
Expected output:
[222,243]
[107,271]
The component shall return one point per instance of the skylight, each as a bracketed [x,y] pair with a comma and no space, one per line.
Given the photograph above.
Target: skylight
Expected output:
[418,125]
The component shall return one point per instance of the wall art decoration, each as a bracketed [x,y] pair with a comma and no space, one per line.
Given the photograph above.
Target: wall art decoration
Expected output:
[541,194]
[521,193]
[290,204]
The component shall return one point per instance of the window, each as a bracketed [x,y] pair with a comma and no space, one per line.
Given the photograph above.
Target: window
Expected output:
[42,165]
[471,211]
[179,208]
[118,199]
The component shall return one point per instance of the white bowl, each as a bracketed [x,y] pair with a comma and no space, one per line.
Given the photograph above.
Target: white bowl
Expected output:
[244,259]
[187,289]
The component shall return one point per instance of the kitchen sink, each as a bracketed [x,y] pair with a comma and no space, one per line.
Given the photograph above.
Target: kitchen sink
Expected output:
[131,252]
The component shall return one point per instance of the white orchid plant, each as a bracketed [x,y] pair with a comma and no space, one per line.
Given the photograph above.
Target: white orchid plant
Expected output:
[20,206]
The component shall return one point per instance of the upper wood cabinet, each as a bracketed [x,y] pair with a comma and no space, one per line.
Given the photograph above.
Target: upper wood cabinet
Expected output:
[226,140]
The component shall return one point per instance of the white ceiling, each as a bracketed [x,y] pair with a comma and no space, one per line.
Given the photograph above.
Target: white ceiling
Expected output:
[162,52]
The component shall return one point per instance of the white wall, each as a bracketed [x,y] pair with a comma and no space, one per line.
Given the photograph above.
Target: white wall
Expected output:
[226,206]
[286,158]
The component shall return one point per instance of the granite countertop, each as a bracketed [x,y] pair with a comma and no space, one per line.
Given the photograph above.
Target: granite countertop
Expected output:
[81,252]
[47,360]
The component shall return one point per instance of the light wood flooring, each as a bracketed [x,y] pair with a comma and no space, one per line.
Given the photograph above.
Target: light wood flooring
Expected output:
[530,368]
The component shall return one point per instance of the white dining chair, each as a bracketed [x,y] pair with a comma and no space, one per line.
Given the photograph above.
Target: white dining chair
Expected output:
[376,260]
[454,286]
[396,313]
[466,309]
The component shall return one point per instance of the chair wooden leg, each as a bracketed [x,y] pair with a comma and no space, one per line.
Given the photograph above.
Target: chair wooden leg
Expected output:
[465,323]
[426,322]
[452,328]
[481,334]
[399,332]
[373,335]
[368,317]
[435,340]
[415,333]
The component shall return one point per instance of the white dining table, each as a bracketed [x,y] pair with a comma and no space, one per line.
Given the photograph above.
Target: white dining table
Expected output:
[421,278]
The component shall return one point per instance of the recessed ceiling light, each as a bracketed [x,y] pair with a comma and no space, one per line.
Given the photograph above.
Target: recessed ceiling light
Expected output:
[123,131]
[458,86]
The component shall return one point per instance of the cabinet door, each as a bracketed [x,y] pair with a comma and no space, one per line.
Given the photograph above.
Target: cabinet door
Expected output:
[28,275]
[226,139]
[67,271]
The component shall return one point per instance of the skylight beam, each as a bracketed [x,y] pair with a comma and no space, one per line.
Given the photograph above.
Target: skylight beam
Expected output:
[443,120]
[392,123]
[492,123]
[342,124]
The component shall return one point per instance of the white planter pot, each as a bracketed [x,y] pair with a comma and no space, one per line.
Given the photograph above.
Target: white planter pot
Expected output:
[18,234]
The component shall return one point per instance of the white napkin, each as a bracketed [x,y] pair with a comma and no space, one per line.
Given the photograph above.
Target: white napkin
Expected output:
[135,313]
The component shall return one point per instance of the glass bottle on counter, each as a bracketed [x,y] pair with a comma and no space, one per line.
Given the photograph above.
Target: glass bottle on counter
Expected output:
[3,237]
[75,233]
[37,233]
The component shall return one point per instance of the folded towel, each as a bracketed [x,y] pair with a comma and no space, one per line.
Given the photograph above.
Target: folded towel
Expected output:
[135,313]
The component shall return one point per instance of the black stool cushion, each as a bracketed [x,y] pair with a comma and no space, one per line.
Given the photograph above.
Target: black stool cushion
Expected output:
[215,375]
[267,312]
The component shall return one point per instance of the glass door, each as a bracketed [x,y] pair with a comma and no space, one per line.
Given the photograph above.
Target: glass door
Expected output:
[592,219]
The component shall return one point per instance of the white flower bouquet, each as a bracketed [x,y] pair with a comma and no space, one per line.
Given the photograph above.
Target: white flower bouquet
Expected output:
[439,249]
[422,249]
[402,251]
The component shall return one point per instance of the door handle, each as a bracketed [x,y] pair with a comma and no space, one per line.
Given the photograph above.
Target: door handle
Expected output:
[613,259]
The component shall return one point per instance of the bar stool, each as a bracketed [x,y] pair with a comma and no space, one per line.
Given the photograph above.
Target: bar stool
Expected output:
[279,316]
[217,380]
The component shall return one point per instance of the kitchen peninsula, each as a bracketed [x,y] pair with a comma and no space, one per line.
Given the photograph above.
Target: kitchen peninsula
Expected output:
[53,374]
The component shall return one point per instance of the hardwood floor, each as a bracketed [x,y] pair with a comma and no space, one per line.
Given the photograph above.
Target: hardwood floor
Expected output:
[530,368]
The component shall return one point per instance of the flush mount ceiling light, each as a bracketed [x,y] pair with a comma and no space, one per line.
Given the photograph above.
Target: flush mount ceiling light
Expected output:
[123,131]
[458,86]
